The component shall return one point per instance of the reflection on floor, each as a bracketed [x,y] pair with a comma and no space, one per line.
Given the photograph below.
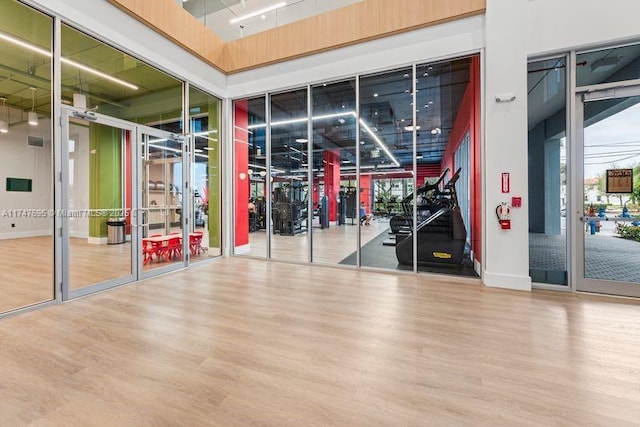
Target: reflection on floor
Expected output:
[338,244]
[27,272]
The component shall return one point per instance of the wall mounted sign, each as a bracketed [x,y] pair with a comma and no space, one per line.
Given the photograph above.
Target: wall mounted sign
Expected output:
[505,182]
[619,181]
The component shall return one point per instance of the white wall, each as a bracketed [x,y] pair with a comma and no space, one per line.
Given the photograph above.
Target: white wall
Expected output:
[506,255]
[459,37]
[19,160]
[98,17]
[554,25]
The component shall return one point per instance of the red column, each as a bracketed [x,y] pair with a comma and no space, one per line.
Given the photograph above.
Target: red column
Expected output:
[241,147]
[332,180]
[365,192]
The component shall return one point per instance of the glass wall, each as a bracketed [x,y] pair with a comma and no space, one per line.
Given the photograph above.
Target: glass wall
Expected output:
[547,112]
[99,78]
[386,154]
[334,151]
[103,79]
[251,180]
[205,225]
[289,175]
[26,153]
[408,165]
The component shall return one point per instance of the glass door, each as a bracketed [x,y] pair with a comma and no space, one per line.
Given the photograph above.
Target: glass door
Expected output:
[163,241]
[98,238]
[608,151]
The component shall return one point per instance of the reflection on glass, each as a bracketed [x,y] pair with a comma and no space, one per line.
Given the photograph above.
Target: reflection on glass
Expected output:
[386,164]
[235,19]
[162,202]
[250,177]
[611,169]
[26,226]
[547,171]
[289,174]
[205,223]
[98,77]
[335,222]
[99,191]
[608,65]
[447,195]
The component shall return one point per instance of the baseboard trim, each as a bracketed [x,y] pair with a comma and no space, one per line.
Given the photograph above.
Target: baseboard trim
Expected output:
[507,281]
[241,250]
[23,234]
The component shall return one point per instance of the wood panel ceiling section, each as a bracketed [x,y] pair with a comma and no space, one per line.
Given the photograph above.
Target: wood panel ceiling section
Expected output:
[367,20]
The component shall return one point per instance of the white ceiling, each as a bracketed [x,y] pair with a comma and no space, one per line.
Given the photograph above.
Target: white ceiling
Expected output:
[216,14]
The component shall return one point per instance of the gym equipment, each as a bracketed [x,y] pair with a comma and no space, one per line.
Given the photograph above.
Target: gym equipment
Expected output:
[427,197]
[323,212]
[289,210]
[441,237]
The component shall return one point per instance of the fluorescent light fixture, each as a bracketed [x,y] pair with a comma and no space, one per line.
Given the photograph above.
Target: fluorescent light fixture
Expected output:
[409,128]
[302,140]
[379,142]
[330,116]
[78,65]
[258,12]
[197,150]
[33,118]
[208,148]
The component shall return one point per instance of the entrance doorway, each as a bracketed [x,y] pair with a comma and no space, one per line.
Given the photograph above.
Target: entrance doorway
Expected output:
[607,233]
[122,202]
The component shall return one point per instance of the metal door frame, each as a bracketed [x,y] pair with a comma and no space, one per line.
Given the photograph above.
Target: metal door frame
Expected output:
[66,114]
[142,153]
[136,133]
[580,282]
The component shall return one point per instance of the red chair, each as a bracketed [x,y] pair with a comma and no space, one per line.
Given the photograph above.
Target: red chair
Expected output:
[195,243]
[151,248]
[174,246]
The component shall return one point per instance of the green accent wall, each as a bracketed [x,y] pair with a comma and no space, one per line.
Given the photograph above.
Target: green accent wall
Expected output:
[105,174]
[215,229]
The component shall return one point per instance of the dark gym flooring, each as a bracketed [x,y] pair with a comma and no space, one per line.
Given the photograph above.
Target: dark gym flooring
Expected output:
[374,254]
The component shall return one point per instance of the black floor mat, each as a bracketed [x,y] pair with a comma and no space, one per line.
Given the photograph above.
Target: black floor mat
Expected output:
[375,254]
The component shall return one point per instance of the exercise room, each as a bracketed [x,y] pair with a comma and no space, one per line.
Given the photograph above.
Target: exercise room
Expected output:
[316,190]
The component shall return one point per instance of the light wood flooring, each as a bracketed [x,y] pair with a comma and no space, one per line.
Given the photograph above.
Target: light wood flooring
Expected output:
[243,342]
[330,245]
[26,276]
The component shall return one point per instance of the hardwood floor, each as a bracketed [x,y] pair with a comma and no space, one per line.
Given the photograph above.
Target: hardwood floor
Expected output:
[330,246]
[242,342]
[26,277]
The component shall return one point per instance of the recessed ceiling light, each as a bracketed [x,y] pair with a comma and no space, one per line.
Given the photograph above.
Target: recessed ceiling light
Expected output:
[375,95]
[409,128]
[406,75]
